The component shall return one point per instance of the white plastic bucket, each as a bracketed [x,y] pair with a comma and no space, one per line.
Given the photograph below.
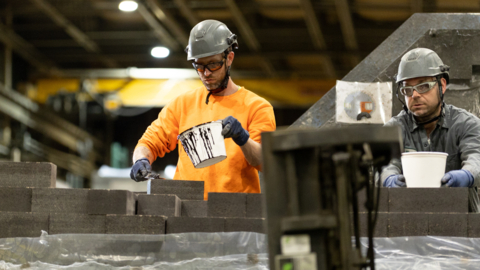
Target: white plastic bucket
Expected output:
[204,144]
[424,169]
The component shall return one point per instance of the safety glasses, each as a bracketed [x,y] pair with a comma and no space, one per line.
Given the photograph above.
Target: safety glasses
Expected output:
[212,66]
[420,88]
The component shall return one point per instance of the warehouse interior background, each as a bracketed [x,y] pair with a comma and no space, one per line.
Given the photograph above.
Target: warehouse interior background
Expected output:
[79,84]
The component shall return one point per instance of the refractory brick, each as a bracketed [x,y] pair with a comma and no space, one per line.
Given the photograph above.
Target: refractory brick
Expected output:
[56,200]
[381,227]
[382,201]
[194,208]
[140,224]
[192,224]
[18,224]
[244,225]
[448,224]
[121,202]
[185,190]
[61,223]
[254,206]
[227,204]
[15,199]
[28,174]
[474,225]
[454,200]
[159,205]
[407,224]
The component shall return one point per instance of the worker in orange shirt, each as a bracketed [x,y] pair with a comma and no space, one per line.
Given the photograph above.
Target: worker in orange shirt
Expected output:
[244,116]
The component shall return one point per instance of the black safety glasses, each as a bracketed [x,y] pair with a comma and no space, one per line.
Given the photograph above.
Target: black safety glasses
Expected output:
[420,88]
[212,66]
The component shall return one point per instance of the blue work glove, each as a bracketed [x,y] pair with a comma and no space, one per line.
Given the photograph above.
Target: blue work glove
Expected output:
[458,178]
[395,180]
[140,170]
[233,129]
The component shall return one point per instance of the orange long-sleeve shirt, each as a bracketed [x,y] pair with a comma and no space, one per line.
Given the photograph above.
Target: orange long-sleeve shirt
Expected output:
[233,174]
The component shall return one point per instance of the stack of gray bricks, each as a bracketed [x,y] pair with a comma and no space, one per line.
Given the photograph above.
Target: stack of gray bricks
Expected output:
[421,212]
[222,212]
[30,203]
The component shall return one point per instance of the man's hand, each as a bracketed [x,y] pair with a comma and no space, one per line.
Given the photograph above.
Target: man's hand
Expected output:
[233,129]
[140,170]
[395,180]
[457,178]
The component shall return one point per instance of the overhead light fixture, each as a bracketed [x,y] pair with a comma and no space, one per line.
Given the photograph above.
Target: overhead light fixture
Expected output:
[128,6]
[160,52]
[162,73]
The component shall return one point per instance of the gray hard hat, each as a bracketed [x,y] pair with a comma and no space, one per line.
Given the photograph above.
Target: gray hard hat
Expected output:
[209,37]
[421,62]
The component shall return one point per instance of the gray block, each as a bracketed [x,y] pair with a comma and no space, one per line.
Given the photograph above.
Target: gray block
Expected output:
[473,225]
[244,225]
[122,224]
[194,208]
[454,200]
[407,224]
[254,206]
[159,205]
[121,202]
[383,200]
[185,190]
[227,204]
[192,224]
[136,194]
[15,199]
[53,200]
[18,224]
[28,174]
[381,227]
[62,223]
[448,224]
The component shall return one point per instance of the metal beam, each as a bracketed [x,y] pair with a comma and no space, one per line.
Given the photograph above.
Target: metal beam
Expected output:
[187,12]
[27,51]
[249,36]
[169,21]
[348,30]
[32,115]
[317,36]
[81,38]
[312,24]
[160,32]
[243,25]
[70,162]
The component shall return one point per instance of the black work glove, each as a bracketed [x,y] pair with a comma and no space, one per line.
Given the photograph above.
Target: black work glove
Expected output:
[140,170]
[233,129]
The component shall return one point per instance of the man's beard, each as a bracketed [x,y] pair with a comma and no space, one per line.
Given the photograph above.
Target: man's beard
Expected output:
[429,114]
[211,87]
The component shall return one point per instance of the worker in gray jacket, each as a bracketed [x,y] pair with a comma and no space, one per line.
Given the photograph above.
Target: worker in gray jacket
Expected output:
[428,124]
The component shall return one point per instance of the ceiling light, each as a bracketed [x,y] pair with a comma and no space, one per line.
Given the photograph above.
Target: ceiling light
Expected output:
[160,52]
[128,6]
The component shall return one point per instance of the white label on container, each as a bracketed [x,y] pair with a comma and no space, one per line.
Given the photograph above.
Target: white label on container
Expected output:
[295,244]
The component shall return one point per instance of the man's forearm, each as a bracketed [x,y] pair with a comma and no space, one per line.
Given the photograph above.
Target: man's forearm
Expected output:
[252,152]
[142,152]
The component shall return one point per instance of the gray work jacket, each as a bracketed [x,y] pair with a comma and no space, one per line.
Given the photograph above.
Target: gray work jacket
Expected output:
[457,133]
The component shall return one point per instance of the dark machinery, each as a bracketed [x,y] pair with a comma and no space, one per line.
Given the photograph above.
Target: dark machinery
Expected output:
[311,183]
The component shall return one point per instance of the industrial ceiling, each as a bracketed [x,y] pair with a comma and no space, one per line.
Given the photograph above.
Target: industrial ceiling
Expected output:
[278,38]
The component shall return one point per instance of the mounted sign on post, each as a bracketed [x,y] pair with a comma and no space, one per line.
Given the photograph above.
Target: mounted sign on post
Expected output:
[363,103]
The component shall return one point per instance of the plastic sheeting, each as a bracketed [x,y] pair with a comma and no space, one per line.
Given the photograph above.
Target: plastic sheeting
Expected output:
[238,250]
